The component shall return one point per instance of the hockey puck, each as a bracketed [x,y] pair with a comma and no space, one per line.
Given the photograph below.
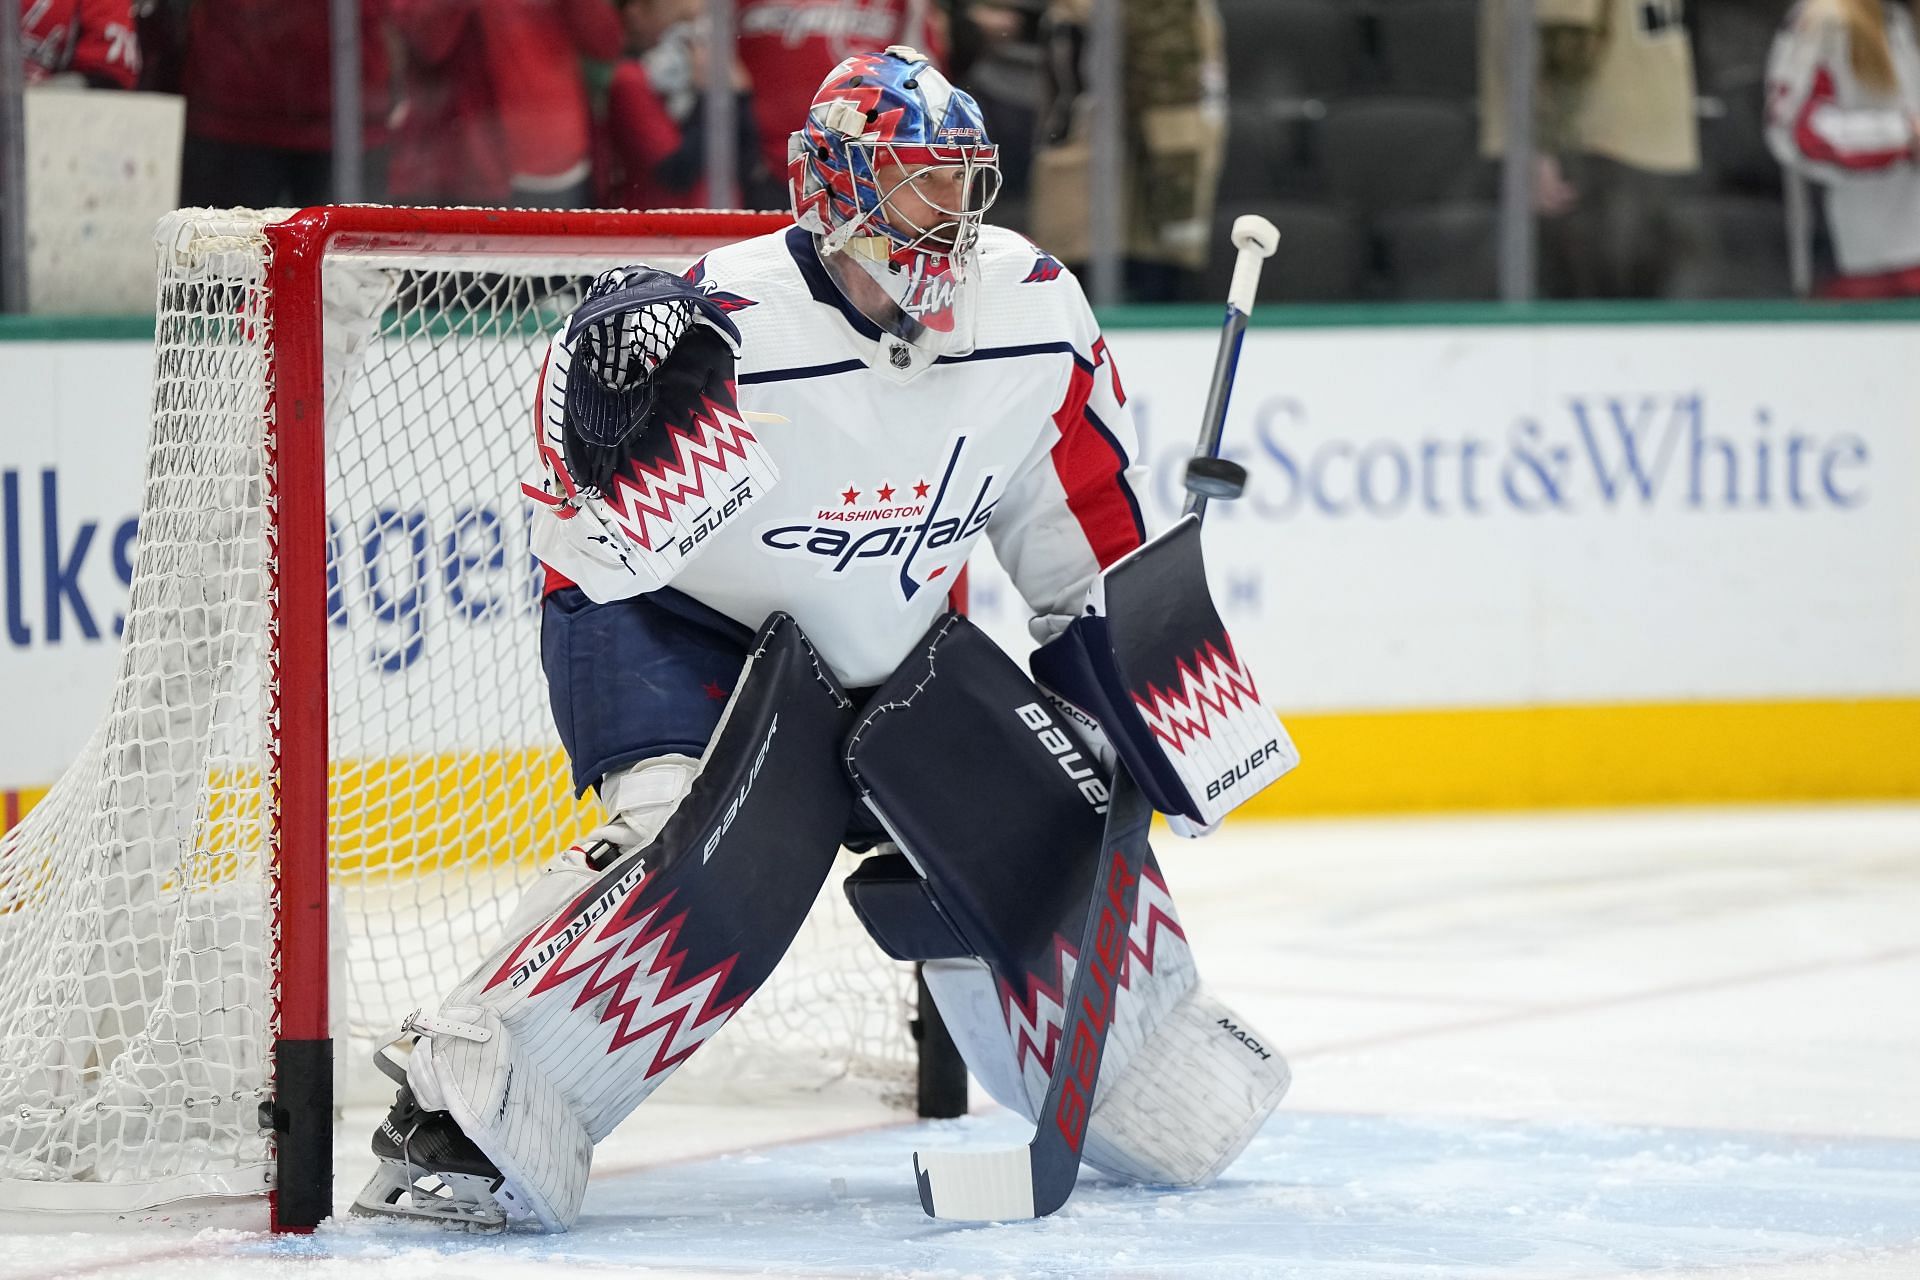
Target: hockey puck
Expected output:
[1216,478]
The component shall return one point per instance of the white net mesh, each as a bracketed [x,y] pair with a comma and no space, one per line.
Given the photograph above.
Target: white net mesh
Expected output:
[135,900]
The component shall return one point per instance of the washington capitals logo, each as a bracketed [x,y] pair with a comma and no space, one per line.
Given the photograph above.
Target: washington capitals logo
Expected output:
[729,302]
[1045,267]
[921,531]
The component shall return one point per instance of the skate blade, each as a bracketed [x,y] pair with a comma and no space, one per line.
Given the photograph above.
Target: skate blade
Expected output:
[452,1201]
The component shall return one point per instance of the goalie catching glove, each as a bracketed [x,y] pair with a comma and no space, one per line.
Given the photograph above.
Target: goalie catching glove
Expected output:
[643,451]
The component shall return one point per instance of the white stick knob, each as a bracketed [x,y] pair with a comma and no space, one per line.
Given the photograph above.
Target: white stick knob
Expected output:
[1256,239]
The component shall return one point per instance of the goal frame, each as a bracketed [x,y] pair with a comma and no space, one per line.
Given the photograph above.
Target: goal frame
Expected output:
[300,1105]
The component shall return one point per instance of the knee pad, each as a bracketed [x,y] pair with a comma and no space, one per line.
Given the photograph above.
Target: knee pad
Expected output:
[639,799]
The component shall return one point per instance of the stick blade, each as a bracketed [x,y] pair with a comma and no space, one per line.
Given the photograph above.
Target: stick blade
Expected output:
[977,1186]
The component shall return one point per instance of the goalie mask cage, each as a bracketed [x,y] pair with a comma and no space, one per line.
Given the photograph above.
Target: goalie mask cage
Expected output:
[328,763]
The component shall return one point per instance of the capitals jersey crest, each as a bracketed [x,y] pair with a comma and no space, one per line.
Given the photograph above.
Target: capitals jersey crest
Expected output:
[918,533]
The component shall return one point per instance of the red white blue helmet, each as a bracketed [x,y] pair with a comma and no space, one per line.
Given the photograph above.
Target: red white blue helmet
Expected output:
[882,124]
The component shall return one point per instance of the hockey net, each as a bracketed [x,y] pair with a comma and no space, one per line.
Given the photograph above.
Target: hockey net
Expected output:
[330,703]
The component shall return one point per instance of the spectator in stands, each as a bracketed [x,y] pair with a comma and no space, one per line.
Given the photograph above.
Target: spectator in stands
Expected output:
[1614,132]
[788,46]
[258,79]
[1843,93]
[998,58]
[1173,93]
[90,41]
[497,108]
[653,153]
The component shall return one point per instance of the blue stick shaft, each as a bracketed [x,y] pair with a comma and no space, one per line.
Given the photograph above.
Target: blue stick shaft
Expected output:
[1213,422]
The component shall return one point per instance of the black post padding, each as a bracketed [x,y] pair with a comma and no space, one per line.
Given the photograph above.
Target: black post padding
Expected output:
[302,1111]
[943,1074]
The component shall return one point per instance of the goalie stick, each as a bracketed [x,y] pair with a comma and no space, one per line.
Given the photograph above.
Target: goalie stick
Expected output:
[1034,1180]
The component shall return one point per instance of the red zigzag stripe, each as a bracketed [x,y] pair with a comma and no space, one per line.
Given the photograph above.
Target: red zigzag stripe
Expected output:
[1155,918]
[1222,686]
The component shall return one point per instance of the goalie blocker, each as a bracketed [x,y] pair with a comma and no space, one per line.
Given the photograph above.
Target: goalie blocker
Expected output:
[994,879]
[1150,666]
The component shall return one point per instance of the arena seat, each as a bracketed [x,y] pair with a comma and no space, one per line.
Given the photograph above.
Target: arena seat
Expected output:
[1733,143]
[1441,252]
[1429,46]
[1735,247]
[1320,259]
[1389,153]
[1286,50]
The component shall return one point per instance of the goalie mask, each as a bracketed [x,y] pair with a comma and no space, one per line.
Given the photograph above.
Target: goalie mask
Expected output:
[894,171]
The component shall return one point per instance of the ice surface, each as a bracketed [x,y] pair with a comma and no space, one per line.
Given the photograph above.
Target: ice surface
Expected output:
[1674,1044]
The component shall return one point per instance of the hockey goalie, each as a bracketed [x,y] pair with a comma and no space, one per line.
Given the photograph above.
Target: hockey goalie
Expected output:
[754,486]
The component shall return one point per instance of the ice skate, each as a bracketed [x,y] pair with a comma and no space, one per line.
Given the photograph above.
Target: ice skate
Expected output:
[429,1171]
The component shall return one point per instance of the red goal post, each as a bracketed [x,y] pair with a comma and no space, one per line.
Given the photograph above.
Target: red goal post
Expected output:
[298,539]
[321,777]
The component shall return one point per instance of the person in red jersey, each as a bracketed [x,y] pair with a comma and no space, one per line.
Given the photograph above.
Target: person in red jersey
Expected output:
[258,79]
[91,39]
[497,105]
[653,147]
[787,45]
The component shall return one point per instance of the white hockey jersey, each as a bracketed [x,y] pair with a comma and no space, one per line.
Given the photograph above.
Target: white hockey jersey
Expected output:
[1856,141]
[892,463]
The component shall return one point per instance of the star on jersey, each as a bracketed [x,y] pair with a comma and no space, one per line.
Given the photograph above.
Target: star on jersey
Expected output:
[922,539]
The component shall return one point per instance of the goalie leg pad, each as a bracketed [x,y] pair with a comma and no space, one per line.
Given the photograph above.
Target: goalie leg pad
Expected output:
[1011,881]
[1190,1099]
[565,1029]
[503,1099]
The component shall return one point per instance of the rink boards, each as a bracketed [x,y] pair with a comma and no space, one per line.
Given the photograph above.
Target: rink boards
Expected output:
[1479,564]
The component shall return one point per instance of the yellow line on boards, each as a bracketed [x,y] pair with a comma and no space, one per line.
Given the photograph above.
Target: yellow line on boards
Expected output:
[433,813]
[1587,756]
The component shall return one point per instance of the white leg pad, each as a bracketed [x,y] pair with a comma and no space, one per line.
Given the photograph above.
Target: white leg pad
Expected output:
[512,1099]
[1189,1100]
[467,1065]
